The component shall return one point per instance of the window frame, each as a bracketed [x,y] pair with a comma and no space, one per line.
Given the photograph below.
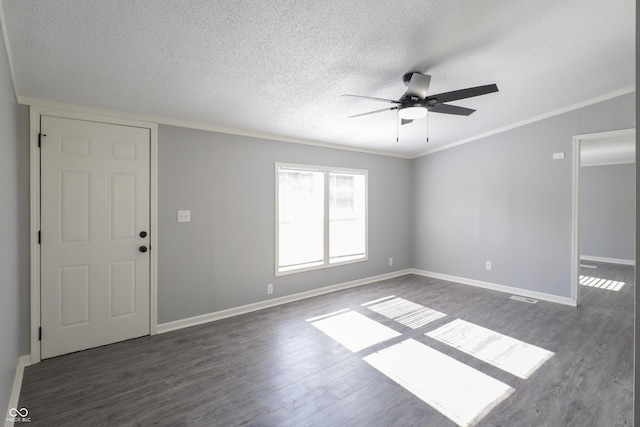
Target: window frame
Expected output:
[326,170]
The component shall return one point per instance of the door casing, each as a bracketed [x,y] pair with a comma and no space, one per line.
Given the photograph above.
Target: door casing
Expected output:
[575,203]
[78,113]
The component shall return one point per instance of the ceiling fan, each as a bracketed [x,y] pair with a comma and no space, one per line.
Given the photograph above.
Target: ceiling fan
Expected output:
[415,103]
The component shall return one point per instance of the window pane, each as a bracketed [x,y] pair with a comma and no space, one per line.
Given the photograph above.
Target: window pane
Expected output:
[346,216]
[301,219]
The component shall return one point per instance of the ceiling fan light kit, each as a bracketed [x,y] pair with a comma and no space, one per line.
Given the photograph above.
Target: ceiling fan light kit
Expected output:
[412,112]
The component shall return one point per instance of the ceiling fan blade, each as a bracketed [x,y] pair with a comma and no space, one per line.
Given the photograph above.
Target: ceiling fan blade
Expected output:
[451,109]
[462,94]
[419,85]
[373,112]
[373,98]
[405,121]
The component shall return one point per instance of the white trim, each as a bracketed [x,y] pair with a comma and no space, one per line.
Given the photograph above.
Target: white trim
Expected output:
[223,314]
[534,119]
[5,35]
[618,133]
[14,399]
[496,287]
[153,238]
[575,220]
[575,201]
[82,114]
[34,255]
[608,260]
[25,100]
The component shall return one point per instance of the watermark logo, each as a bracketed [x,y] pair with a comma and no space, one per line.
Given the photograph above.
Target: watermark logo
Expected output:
[19,415]
[22,412]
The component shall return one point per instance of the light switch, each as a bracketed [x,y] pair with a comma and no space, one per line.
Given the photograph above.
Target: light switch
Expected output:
[184,216]
[558,156]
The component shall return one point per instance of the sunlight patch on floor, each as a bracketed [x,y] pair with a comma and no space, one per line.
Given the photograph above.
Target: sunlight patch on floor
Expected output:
[313,319]
[459,392]
[504,352]
[405,312]
[596,282]
[377,300]
[354,330]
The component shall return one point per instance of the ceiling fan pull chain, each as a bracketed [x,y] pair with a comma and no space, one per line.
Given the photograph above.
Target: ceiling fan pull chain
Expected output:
[428,126]
[397,126]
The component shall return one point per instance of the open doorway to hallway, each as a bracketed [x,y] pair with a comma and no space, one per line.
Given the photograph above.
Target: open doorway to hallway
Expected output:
[604,213]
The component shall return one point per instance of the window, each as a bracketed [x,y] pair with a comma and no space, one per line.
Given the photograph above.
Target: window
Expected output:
[321,217]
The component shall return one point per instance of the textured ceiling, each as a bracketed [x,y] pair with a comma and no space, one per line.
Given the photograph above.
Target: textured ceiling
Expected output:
[277,68]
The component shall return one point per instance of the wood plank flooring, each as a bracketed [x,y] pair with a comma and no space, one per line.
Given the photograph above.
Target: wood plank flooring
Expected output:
[274,368]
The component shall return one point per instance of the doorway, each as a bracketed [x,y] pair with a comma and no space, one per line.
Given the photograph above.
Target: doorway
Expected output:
[603,180]
[93,210]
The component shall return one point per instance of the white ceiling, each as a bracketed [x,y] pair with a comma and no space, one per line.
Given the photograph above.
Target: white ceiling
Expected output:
[277,68]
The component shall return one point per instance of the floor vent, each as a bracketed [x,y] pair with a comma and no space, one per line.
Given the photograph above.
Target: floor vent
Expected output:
[523,299]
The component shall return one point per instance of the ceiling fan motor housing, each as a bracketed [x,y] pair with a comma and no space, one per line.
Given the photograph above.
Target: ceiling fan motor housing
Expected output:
[407,77]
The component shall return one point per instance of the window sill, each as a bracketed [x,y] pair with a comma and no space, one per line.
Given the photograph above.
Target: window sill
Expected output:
[321,266]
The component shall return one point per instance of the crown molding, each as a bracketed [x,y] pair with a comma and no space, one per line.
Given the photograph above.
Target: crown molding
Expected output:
[24,100]
[7,46]
[534,119]
[231,131]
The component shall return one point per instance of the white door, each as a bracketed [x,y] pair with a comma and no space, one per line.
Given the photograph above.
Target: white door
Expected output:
[94,234]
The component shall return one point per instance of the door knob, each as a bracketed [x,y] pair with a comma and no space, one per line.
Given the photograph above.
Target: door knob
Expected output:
[142,248]
[143,234]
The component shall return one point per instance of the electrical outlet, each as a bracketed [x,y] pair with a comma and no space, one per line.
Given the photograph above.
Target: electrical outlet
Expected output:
[390,261]
[488,265]
[269,289]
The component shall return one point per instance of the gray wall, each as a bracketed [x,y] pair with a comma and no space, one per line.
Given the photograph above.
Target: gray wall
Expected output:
[224,257]
[14,231]
[608,211]
[504,199]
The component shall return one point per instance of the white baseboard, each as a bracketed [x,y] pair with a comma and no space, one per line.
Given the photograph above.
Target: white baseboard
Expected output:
[609,260]
[496,287]
[23,362]
[223,314]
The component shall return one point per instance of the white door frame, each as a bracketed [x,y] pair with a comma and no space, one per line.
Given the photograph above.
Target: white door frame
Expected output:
[575,203]
[78,113]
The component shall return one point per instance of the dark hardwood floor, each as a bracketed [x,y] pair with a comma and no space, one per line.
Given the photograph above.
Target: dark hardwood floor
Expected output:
[274,368]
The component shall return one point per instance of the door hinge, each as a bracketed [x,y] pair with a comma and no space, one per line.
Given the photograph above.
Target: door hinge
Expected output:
[40,135]
[39,237]
[40,333]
